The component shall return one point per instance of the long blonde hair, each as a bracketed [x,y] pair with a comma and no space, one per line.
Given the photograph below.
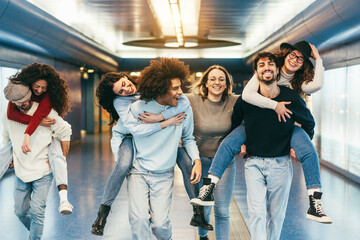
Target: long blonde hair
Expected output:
[199,87]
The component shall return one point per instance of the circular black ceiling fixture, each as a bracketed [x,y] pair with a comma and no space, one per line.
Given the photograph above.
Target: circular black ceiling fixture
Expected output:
[190,43]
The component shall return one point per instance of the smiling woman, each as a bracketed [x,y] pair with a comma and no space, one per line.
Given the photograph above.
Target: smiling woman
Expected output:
[124,87]
[212,102]
[39,87]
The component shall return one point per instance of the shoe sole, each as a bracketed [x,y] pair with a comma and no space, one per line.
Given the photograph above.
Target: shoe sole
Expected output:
[198,202]
[97,233]
[194,224]
[66,212]
[326,220]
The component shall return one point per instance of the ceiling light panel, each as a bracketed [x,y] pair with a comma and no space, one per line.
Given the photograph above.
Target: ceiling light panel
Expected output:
[163,13]
[189,10]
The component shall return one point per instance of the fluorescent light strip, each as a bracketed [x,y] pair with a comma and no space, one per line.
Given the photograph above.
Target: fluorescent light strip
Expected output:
[175,11]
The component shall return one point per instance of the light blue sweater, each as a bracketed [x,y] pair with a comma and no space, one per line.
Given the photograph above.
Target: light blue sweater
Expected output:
[128,124]
[158,151]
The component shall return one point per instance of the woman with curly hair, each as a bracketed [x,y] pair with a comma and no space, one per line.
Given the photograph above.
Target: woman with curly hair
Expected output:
[297,72]
[115,93]
[50,91]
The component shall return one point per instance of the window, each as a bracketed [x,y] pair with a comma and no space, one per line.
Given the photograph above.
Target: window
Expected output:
[337,115]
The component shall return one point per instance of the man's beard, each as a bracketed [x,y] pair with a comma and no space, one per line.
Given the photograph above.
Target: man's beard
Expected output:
[25,107]
[267,82]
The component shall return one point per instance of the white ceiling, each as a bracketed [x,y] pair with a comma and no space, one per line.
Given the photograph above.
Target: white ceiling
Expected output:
[114,22]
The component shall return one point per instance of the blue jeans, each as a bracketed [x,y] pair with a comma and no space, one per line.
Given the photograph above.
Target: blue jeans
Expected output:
[306,154]
[300,142]
[58,162]
[124,163]
[222,197]
[150,196]
[229,147]
[118,174]
[185,164]
[30,203]
[268,182]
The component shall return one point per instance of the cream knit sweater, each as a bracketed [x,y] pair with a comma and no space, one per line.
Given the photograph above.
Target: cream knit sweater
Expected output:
[35,164]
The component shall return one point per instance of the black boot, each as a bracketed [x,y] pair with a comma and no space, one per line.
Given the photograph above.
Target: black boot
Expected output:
[198,219]
[99,224]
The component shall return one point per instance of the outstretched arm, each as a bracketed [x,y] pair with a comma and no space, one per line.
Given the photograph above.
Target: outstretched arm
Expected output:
[251,95]
[14,114]
[135,126]
[182,105]
[42,111]
[317,82]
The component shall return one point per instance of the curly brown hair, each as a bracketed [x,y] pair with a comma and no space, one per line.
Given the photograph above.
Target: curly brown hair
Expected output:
[105,94]
[199,87]
[304,74]
[57,87]
[155,80]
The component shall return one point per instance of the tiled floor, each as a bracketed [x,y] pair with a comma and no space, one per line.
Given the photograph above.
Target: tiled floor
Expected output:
[90,164]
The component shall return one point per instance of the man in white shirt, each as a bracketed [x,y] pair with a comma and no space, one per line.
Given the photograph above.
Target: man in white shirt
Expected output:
[33,174]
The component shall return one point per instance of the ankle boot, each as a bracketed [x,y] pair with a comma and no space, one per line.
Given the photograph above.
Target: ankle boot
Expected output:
[198,219]
[99,224]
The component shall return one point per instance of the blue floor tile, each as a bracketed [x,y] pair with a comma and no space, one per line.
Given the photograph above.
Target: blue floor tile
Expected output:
[90,163]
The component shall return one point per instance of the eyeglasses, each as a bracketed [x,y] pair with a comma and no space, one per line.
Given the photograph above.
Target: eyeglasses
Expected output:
[292,55]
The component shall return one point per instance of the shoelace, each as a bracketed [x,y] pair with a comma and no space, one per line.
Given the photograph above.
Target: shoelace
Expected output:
[204,191]
[318,207]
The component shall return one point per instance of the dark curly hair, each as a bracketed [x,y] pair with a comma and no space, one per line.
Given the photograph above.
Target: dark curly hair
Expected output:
[57,87]
[105,94]
[199,87]
[155,80]
[304,74]
[268,55]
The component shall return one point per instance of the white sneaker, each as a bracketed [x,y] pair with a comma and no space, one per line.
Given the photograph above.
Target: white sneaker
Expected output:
[65,208]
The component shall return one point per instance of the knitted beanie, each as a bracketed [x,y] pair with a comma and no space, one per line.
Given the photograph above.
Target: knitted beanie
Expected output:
[17,92]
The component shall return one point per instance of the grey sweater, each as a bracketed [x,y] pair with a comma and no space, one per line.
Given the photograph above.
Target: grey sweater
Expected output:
[212,122]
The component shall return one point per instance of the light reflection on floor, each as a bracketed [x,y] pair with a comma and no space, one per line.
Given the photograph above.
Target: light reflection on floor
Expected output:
[90,164]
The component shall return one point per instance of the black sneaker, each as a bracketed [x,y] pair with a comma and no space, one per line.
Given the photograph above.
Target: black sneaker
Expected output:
[206,195]
[316,211]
